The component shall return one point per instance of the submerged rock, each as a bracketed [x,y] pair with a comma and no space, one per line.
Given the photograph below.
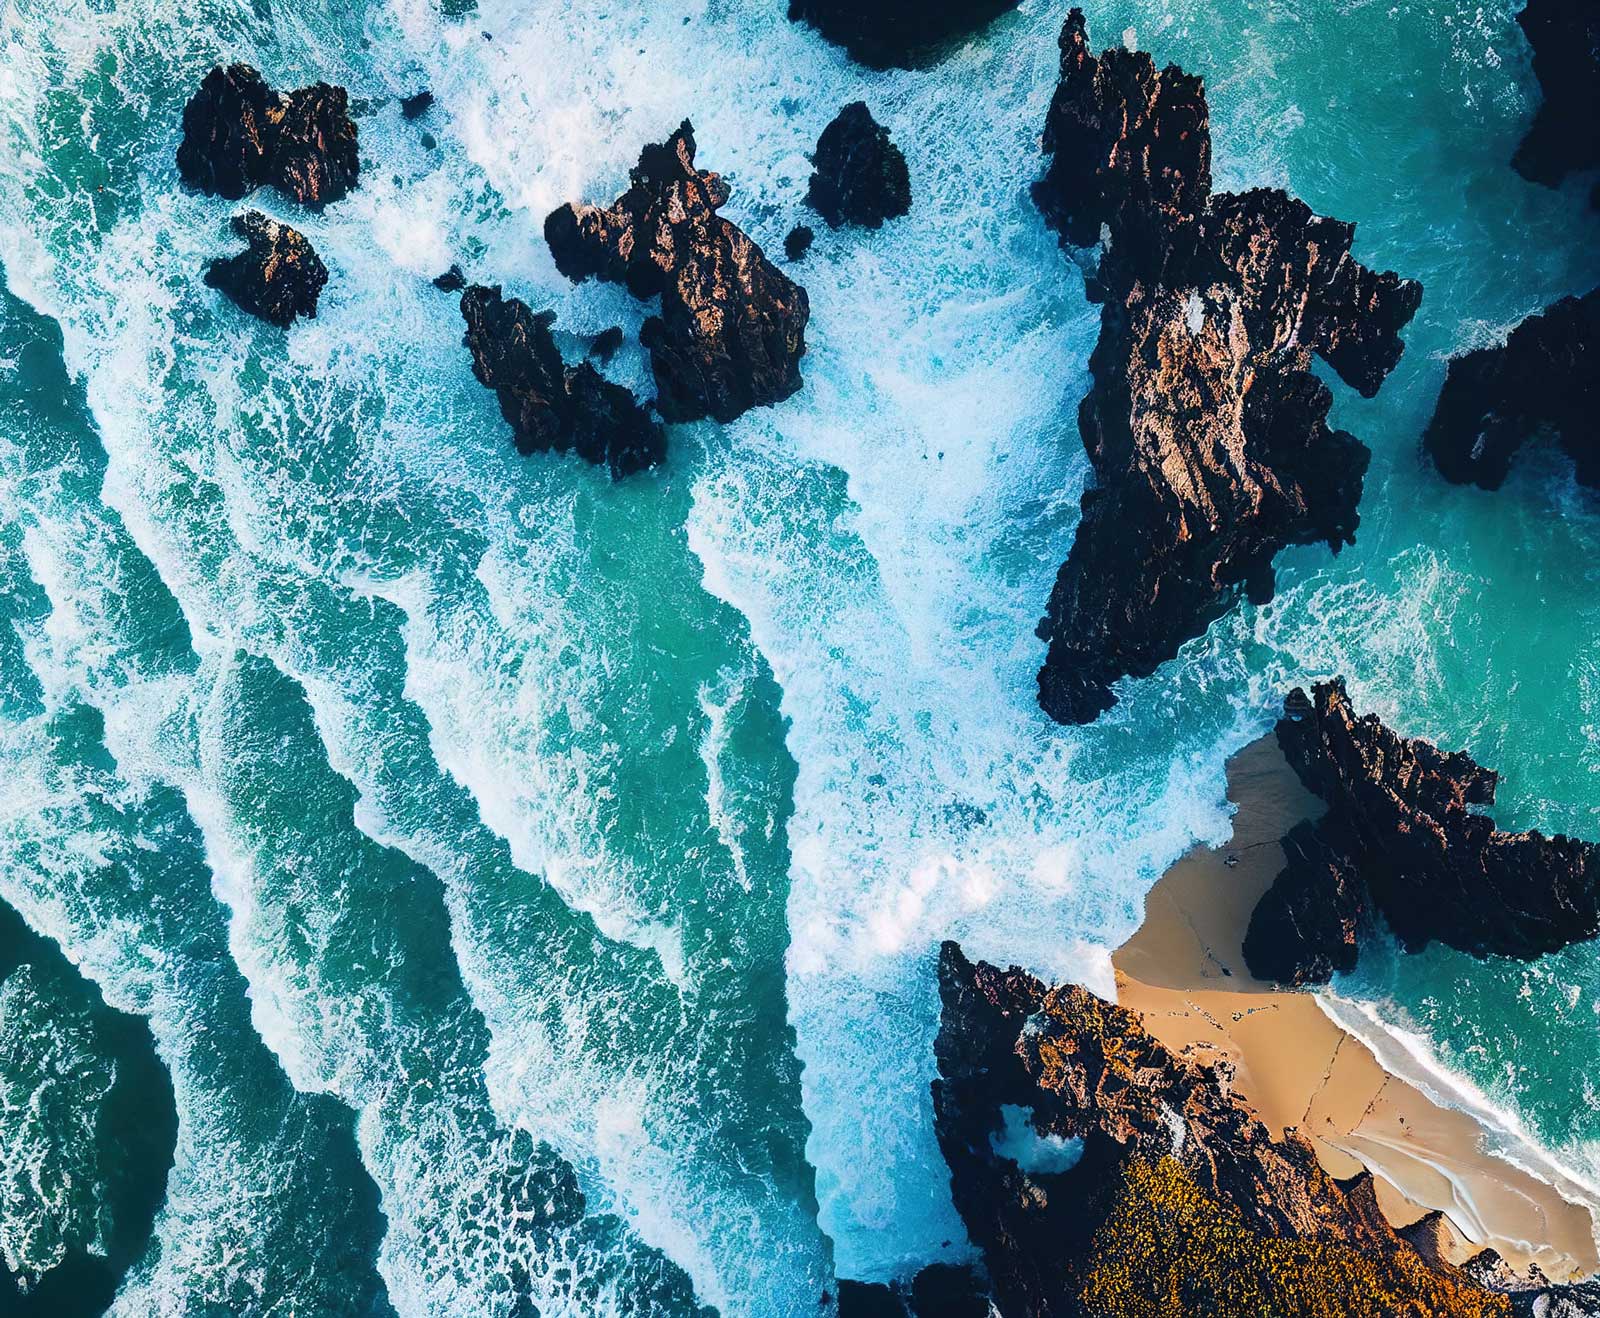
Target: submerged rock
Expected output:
[239,134]
[277,277]
[860,175]
[1404,832]
[895,33]
[1205,426]
[1545,378]
[798,242]
[605,344]
[1181,1203]
[452,280]
[1565,135]
[414,107]
[732,326]
[552,406]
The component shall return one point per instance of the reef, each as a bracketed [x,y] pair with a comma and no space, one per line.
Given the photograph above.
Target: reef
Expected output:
[1180,1204]
[278,277]
[552,406]
[860,175]
[1405,837]
[1205,427]
[239,135]
[896,33]
[1545,379]
[1565,135]
[732,326]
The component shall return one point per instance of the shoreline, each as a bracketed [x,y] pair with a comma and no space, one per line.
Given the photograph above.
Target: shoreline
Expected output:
[1297,1066]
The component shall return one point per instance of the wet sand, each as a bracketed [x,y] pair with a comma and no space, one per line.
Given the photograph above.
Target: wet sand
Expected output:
[1184,971]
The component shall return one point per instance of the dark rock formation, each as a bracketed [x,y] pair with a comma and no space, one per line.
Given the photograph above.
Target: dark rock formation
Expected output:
[1181,1203]
[1206,429]
[798,242]
[414,107]
[605,344]
[452,280]
[239,134]
[860,176]
[552,406]
[895,33]
[1565,135]
[940,1290]
[732,326]
[1544,378]
[277,277]
[1401,834]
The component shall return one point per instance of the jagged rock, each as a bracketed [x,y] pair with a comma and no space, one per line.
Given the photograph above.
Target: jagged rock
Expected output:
[239,134]
[1206,429]
[940,1290]
[1565,135]
[1303,930]
[552,406]
[798,242]
[1544,378]
[452,280]
[895,33]
[732,326]
[1181,1202]
[1401,825]
[860,175]
[414,107]
[277,277]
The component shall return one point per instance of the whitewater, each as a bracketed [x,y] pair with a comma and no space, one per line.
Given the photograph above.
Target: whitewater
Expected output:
[532,881]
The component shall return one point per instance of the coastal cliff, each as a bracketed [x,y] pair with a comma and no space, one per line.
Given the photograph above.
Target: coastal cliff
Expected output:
[1205,426]
[1405,836]
[1174,1198]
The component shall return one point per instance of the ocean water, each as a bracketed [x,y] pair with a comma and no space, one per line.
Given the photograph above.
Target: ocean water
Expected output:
[531,882]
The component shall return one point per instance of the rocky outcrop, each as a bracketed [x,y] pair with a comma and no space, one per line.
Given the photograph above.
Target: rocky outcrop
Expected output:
[896,33]
[1545,379]
[1565,135]
[732,326]
[860,176]
[1205,426]
[239,135]
[277,277]
[417,105]
[552,406]
[1181,1202]
[1404,833]
[798,242]
[940,1290]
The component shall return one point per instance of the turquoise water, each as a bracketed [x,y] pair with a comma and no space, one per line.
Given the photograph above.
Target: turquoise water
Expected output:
[531,881]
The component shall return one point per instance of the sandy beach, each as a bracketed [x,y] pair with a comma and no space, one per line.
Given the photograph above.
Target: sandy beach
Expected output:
[1184,970]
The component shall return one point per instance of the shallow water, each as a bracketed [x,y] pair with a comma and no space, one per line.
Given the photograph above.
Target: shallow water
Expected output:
[532,881]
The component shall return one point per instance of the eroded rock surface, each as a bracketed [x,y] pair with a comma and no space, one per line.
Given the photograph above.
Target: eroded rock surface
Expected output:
[1181,1202]
[278,277]
[896,33]
[732,326]
[552,406]
[239,135]
[1565,135]
[1545,379]
[1405,833]
[1205,427]
[860,175]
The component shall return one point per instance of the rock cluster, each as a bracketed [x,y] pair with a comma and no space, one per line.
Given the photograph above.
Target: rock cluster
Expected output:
[1544,378]
[239,135]
[1180,1203]
[550,405]
[1205,426]
[1565,135]
[732,326]
[895,33]
[277,277]
[860,176]
[1404,835]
